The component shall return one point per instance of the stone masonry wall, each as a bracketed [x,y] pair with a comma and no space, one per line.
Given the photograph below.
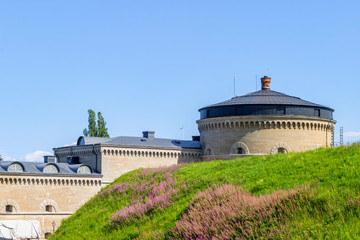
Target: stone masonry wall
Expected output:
[29,196]
[256,135]
[117,161]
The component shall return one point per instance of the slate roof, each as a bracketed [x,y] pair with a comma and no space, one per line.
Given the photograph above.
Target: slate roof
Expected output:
[142,142]
[38,167]
[266,97]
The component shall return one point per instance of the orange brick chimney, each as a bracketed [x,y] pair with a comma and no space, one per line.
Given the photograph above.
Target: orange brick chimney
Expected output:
[265,83]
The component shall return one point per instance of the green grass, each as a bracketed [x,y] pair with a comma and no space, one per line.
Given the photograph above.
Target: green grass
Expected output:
[334,172]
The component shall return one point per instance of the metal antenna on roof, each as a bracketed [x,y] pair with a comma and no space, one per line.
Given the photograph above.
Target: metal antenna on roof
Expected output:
[234,85]
[182,129]
[256,82]
[341,136]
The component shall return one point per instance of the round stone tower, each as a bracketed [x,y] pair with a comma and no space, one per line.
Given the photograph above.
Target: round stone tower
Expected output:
[264,122]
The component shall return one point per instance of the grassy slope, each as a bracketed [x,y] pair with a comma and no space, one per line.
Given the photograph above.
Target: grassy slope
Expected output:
[335,172]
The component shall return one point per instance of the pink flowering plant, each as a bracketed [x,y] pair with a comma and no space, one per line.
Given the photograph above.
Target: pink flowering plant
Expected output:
[231,212]
[152,190]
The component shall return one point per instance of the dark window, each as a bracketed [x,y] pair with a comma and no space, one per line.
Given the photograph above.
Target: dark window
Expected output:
[47,235]
[73,160]
[9,208]
[208,113]
[317,113]
[280,111]
[282,150]
[240,151]
[208,152]
[49,208]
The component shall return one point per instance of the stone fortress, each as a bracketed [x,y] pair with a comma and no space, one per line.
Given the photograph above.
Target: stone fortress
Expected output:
[262,122]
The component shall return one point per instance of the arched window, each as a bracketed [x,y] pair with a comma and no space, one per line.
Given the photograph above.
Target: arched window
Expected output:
[49,208]
[240,151]
[208,152]
[47,235]
[50,168]
[84,170]
[15,167]
[239,148]
[282,150]
[9,208]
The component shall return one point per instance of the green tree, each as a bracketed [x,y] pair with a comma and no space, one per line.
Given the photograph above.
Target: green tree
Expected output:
[0,158]
[102,130]
[96,130]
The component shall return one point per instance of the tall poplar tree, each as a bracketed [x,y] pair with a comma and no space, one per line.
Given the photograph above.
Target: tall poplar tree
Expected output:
[102,130]
[96,130]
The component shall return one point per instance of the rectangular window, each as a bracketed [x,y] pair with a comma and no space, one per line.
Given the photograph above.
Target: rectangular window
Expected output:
[208,113]
[73,160]
[317,113]
[280,111]
[48,208]
[9,208]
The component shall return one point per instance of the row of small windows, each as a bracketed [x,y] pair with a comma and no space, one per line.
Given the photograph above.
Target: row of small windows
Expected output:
[11,208]
[279,150]
[50,168]
[261,110]
[242,151]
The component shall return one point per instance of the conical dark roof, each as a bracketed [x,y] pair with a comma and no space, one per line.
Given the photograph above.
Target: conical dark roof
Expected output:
[267,97]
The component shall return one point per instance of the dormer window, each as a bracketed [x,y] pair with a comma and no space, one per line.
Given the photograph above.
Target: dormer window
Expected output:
[15,167]
[50,168]
[84,170]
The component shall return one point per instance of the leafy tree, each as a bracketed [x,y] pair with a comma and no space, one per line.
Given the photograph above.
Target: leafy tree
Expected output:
[102,130]
[96,130]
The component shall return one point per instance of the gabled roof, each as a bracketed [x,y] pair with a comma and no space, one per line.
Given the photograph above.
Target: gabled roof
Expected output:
[266,97]
[140,142]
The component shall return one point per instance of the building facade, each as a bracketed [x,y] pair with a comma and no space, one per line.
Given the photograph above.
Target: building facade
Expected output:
[51,191]
[262,122]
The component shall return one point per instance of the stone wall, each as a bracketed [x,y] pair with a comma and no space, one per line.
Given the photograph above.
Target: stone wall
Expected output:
[264,135]
[113,161]
[29,196]
[118,160]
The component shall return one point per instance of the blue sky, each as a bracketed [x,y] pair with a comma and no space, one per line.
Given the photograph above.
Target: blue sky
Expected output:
[150,65]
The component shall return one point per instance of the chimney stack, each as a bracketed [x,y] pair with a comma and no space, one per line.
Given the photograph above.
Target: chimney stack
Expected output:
[265,83]
[149,134]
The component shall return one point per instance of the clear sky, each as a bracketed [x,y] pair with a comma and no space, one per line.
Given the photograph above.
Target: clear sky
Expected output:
[150,65]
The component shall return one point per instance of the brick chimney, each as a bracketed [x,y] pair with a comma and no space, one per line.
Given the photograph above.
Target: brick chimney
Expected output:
[265,83]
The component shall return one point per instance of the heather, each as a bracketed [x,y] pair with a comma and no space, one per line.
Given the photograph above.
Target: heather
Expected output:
[309,195]
[230,212]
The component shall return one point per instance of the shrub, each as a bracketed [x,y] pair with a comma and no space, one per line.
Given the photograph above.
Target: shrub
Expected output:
[230,212]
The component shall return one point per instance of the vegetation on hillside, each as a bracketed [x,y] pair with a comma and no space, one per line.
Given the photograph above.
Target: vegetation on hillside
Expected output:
[309,195]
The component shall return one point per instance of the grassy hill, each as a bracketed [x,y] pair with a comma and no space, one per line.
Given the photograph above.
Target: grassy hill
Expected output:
[309,195]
